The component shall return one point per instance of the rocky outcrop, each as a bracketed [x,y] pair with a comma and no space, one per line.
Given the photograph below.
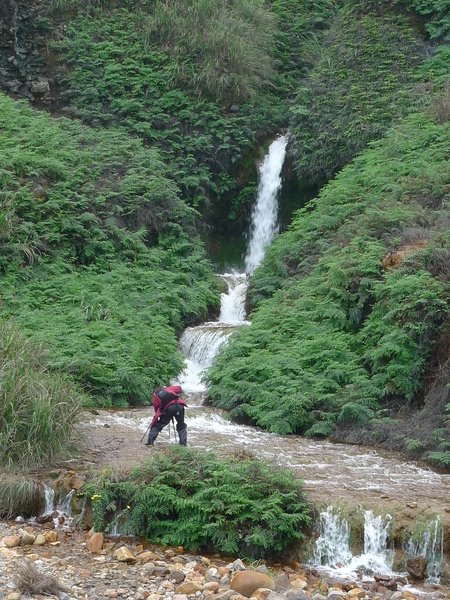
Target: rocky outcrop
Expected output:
[24,36]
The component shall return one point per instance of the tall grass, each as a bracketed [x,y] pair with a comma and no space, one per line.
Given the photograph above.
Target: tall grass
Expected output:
[38,409]
[20,496]
[223,48]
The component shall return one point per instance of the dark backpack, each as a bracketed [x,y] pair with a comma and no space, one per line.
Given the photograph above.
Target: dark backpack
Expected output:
[165,396]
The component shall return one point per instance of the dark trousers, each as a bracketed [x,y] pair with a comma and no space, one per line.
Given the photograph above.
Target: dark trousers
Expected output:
[173,411]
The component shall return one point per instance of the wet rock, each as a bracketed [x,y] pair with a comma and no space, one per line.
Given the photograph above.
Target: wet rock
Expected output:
[95,542]
[246,582]
[417,567]
[356,593]
[11,541]
[299,584]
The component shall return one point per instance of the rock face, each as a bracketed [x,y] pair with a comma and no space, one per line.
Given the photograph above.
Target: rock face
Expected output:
[246,582]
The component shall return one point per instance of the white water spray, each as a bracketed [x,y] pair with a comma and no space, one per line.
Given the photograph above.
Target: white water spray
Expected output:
[429,545]
[49,499]
[265,211]
[333,545]
[200,345]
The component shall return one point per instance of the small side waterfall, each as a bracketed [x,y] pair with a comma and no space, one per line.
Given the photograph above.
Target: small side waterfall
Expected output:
[429,544]
[200,345]
[333,545]
[49,499]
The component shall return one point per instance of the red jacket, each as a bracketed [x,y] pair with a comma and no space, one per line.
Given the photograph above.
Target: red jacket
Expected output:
[156,401]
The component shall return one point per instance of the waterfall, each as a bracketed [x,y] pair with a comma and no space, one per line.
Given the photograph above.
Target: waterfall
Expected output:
[377,557]
[429,544]
[232,303]
[333,545]
[200,345]
[265,211]
[49,497]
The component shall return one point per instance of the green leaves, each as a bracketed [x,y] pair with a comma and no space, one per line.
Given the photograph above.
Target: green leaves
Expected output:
[186,497]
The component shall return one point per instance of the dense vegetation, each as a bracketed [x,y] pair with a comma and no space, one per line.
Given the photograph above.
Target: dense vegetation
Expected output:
[203,503]
[361,81]
[100,254]
[94,258]
[357,293]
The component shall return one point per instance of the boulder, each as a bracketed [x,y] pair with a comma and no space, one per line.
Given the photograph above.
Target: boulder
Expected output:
[51,536]
[177,575]
[356,594]
[11,541]
[95,542]
[27,539]
[188,587]
[296,595]
[417,567]
[146,557]
[40,540]
[123,554]
[246,582]
[282,583]
[261,593]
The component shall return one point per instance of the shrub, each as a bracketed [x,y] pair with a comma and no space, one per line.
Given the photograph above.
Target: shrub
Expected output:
[20,496]
[38,410]
[195,499]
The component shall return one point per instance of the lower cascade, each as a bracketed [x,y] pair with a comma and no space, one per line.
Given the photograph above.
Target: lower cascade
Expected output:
[332,547]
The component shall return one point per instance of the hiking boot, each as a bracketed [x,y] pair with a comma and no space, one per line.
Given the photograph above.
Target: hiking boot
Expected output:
[149,444]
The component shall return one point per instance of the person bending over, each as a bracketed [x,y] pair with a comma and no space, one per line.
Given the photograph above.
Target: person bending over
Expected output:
[168,405]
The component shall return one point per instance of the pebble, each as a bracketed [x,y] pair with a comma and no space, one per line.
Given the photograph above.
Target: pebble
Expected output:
[125,570]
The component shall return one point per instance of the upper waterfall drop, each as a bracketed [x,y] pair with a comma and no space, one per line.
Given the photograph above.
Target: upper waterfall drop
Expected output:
[265,212]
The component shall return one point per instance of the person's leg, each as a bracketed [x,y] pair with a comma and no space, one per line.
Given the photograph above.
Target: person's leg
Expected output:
[156,429]
[181,425]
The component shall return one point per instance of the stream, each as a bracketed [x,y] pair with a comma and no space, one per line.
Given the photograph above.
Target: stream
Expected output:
[373,484]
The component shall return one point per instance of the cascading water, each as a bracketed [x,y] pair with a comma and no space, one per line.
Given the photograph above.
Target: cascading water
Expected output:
[49,499]
[429,544]
[265,212]
[333,544]
[200,345]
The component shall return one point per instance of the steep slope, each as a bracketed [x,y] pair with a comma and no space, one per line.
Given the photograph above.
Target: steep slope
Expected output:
[99,255]
[362,293]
